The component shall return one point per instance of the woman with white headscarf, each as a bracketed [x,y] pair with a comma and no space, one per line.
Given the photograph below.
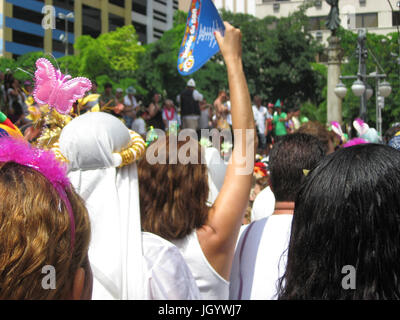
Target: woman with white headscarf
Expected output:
[126,263]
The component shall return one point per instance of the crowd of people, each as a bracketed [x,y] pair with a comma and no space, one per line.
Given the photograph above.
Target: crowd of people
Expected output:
[118,217]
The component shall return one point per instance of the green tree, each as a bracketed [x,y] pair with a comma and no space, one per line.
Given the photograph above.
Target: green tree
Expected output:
[114,53]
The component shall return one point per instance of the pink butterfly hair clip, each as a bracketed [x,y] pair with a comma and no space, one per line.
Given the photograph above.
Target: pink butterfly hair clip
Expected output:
[56,90]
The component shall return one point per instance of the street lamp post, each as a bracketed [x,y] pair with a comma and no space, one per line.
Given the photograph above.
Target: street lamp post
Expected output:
[362,71]
[66,17]
[361,89]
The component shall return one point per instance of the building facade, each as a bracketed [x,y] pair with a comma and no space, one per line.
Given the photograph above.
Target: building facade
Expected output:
[36,25]
[374,15]
[236,6]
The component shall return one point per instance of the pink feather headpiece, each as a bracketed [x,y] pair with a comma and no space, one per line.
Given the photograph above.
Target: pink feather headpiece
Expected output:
[354,142]
[43,161]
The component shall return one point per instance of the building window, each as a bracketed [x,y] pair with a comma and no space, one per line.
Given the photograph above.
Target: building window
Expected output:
[64,4]
[396,18]
[27,39]
[317,23]
[163,2]
[91,22]
[139,6]
[141,30]
[119,3]
[27,15]
[115,21]
[367,20]
[159,16]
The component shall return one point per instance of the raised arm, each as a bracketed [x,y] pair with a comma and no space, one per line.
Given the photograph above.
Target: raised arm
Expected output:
[218,237]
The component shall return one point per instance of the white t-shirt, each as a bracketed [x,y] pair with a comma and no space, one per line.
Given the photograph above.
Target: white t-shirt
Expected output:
[166,275]
[211,285]
[260,259]
[260,115]
[171,114]
[130,103]
[139,126]
[263,205]
[203,123]
[229,115]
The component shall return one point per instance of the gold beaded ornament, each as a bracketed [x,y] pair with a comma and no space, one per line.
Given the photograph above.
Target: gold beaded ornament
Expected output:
[134,151]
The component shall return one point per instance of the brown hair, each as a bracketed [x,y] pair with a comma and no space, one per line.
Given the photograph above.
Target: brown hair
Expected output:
[173,197]
[35,232]
[318,130]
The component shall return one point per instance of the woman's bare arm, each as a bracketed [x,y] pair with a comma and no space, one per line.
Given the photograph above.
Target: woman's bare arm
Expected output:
[219,235]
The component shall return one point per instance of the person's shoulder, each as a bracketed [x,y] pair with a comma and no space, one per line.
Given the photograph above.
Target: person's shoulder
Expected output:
[154,244]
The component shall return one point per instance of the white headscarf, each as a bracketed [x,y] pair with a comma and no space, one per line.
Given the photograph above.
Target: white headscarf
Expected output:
[90,142]
[216,173]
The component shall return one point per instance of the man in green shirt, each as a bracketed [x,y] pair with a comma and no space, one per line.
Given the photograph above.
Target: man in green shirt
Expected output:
[279,121]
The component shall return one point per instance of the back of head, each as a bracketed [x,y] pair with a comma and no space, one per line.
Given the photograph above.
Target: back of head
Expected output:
[288,158]
[318,130]
[347,214]
[167,189]
[35,232]
[390,133]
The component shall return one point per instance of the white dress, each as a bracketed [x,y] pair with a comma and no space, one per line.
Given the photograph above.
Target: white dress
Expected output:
[166,276]
[211,285]
[260,259]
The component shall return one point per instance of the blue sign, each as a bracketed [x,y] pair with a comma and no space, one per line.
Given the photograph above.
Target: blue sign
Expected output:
[199,43]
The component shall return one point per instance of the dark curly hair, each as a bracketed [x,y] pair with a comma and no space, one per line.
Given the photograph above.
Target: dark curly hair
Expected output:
[173,197]
[347,213]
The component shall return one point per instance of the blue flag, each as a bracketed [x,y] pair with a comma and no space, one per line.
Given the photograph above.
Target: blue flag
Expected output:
[199,43]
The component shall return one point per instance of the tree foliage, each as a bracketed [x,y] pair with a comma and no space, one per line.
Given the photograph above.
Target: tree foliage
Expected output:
[277,59]
[386,50]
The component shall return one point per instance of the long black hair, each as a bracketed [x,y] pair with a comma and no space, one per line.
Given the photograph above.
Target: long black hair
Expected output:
[347,213]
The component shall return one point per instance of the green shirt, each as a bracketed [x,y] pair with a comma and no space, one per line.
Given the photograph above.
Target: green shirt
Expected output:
[280,129]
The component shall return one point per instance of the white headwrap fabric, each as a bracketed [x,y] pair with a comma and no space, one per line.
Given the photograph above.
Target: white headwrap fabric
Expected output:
[112,199]
[216,173]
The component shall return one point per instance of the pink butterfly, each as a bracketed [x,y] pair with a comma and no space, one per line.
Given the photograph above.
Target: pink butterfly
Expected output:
[55,89]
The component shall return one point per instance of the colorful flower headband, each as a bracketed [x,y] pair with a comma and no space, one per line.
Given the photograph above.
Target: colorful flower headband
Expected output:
[19,151]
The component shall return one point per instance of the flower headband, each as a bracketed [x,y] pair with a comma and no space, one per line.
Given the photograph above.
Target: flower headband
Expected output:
[19,151]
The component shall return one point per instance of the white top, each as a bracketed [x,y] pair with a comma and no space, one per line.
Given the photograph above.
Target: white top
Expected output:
[260,259]
[216,169]
[166,275]
[172,114]
[263,205]
[259,116]
[229,115]
[130,103]
[139,126]
[211,285]
[203,124]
